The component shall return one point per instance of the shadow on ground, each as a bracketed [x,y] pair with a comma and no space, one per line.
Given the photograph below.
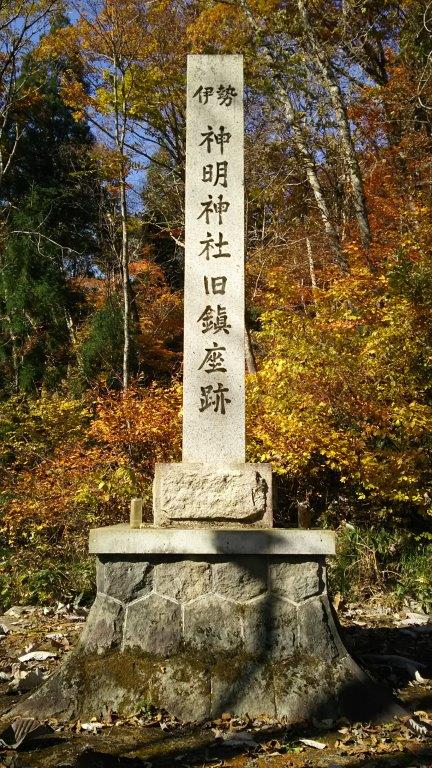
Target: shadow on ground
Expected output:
[150,747]
[127,748]
[393,655]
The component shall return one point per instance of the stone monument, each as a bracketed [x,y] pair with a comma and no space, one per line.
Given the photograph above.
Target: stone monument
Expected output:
[211,609]
[213,485]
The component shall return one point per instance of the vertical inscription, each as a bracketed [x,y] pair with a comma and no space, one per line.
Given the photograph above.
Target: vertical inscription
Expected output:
[213,401]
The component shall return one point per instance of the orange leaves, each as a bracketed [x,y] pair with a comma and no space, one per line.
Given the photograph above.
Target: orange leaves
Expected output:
[142,424]
[75,96]
[73,474]
[160,315]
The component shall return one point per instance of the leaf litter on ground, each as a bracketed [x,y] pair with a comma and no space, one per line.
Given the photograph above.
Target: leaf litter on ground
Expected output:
[41,630]
[23,729]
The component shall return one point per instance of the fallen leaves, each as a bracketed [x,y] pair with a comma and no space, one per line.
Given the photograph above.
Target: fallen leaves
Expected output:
[313,744]
[23,729]
[238,741]
[37,656]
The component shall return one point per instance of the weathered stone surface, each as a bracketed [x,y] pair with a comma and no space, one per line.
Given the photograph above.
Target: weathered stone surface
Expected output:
[305,689]
[193,493]
[104,625]
[270,627]
[116,539]
[240,579]
[317,634]
[59,695]
[296,580]
[126,579]
[182,580]
[212,625]
[153,624]
[243,657]
[183,689]
[244,687]
[360,698]
[99,575]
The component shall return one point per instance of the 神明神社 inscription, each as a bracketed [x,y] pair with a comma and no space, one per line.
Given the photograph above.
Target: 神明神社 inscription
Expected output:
[214,371]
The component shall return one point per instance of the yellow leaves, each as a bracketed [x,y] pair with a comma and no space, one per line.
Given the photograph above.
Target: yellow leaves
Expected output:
[75,96]
[53,46]
[219,27]
[339,388]
[104,100]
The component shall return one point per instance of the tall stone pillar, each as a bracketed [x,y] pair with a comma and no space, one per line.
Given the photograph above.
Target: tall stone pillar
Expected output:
[213,485]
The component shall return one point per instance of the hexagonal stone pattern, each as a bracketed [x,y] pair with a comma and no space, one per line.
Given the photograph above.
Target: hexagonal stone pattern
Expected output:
[240,579]
[212,624]
[295,581]
[270,627]
[182,580]
[103,628]
[153,625]
[316,630]
[126,579]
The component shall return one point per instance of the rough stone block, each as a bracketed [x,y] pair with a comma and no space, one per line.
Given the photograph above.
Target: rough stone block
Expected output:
[212,625]
[296,580]
[183,689]
[270,627]
[153,624]
[126,579]
[317,633]
[182,580]
[104,625]
[240,579]
[304,689]
[190,494]
[263,656]
[243,687]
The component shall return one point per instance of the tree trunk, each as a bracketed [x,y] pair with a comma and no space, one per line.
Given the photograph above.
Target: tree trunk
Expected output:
[125,283]
[251,365]
[120,111]
[301,145]
[348,149]
[13,340]
[311,265]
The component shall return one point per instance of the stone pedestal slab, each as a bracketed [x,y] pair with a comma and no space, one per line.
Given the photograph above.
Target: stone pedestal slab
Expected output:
[198,494]
[123,540]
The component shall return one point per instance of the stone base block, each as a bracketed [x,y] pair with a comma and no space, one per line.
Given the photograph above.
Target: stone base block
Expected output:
[199,635]
[196,494]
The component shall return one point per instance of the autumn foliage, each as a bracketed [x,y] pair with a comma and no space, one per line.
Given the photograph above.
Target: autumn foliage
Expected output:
[338,265]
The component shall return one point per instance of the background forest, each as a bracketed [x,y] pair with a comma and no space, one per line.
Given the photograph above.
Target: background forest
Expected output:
[338,272]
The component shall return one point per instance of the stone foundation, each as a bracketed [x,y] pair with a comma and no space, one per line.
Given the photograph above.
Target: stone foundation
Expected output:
[199,635]
[254,605]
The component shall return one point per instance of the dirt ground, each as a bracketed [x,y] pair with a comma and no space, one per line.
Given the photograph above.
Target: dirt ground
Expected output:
[396,647]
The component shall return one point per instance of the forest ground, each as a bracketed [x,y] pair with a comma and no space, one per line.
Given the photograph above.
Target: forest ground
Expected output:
[380,637]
